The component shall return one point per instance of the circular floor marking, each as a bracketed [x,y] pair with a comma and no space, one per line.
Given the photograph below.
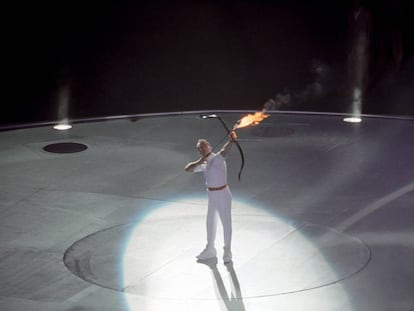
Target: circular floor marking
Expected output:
[65,147]
[156,258]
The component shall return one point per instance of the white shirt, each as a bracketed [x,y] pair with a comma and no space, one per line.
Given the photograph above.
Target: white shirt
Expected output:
[214,169]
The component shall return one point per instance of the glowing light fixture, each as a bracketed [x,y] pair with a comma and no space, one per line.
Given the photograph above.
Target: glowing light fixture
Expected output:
[63,106]
[63,126]
[353,120]
[356,107]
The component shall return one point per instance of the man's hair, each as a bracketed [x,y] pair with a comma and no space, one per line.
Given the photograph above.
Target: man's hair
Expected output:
[202,141]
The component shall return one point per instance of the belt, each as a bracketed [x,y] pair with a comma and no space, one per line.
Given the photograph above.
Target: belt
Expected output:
[216,188]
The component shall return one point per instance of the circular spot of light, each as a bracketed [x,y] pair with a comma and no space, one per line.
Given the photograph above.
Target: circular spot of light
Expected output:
[153,261]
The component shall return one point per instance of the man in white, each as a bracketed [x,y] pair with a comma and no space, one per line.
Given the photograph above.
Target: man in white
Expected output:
[213,165]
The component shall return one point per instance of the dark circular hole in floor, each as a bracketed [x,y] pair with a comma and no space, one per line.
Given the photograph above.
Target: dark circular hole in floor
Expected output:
[65,148]
[272,131]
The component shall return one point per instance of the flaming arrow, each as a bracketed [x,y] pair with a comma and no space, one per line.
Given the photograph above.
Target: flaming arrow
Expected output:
[248,120]
[214,116]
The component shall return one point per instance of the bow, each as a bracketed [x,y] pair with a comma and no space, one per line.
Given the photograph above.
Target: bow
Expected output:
[235,141]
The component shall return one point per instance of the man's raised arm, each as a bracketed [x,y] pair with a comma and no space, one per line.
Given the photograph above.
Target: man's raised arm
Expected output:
[227,146]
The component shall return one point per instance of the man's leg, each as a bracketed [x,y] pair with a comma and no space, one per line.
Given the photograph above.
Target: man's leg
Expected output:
[211,221]
[224,210]
[211,224]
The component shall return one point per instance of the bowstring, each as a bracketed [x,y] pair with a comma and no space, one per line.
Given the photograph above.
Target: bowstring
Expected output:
[217,144]
[221,140]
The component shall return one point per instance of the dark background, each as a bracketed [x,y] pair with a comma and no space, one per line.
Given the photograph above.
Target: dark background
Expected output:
[130,57]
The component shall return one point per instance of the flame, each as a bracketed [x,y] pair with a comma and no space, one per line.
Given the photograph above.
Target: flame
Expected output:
[251,119]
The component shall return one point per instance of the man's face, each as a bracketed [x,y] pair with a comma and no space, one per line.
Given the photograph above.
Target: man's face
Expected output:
[203,148]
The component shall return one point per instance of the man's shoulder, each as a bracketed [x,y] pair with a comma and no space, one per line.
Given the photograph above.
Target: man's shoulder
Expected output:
[219,157]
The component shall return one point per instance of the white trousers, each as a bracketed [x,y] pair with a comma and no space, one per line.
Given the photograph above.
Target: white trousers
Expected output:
[219,202]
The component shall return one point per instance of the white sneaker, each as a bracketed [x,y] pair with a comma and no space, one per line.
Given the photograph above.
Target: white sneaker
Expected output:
[227,255]
[207,253]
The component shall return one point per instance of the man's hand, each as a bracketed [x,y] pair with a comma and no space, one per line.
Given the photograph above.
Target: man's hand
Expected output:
[233,135]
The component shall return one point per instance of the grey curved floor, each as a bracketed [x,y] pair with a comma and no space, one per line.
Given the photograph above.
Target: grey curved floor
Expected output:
[322,216]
